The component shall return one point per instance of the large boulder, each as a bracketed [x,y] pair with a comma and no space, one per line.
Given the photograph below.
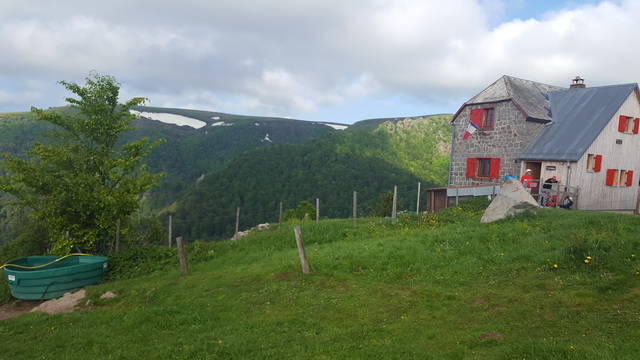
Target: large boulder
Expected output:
[513,199]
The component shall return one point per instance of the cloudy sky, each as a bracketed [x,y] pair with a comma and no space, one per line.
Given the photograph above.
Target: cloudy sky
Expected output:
[321,60]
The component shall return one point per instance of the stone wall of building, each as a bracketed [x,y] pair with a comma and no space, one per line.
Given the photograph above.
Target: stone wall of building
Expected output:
[510,136]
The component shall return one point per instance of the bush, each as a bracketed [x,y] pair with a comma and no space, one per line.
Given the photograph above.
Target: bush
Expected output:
[304,211]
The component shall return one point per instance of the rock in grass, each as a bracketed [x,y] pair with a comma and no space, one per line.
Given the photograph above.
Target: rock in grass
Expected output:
[513,199]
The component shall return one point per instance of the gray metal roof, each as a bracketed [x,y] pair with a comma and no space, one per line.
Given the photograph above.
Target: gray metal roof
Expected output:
[579,115]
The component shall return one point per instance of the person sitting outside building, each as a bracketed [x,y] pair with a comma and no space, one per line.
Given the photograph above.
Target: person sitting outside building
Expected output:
[546,195]
[526,180]
[510,175]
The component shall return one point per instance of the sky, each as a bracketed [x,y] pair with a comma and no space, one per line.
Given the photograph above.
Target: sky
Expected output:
[318,60]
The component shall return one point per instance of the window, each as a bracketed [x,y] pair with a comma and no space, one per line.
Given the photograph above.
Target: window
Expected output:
[623,177]
[483,168]
[483,118]
[594,162]
[628,124]
[488,118]
[616,177]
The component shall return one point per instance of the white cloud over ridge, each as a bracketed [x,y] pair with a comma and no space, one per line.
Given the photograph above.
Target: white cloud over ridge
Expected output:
[320,59]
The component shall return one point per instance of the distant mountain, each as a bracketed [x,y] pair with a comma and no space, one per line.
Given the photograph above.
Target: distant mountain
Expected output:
[328,168]
[215,162]
[198,142]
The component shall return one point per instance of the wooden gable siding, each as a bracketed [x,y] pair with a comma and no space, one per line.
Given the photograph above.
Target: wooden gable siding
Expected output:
[506,141]
[595,194]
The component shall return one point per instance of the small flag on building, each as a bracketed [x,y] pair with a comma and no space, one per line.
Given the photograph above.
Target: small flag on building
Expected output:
[475,122]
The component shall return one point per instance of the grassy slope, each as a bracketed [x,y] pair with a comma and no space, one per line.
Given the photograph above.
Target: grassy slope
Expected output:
[431,287]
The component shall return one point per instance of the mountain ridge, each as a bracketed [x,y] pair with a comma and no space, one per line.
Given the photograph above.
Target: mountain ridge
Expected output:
[366,156]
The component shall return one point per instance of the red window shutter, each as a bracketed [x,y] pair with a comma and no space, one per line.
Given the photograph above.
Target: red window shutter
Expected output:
[476,117]
[622,123]
[629,178]
[471,167]
[636,125]
[494,171]
[610,174]
[598,165]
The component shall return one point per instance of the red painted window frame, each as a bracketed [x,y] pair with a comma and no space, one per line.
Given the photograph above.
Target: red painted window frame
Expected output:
[613,173]
[625,125]
[622,123]
[610,177]
[472,168]
[597,167]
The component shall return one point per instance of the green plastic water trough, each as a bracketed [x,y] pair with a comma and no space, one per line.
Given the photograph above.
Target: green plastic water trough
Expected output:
[49,277]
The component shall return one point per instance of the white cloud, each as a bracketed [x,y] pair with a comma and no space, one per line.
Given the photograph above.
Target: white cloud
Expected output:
[293,58]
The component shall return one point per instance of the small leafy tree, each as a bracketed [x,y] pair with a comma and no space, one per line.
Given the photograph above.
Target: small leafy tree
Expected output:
[79,179]
[384,206]
[304,211]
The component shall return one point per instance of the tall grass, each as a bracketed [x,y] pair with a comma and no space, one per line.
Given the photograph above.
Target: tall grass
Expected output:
[556,285]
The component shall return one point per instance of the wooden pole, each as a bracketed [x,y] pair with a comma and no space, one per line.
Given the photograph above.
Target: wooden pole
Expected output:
[280,218]
[317,210]
[118,235]
[301,252]
[394,214]
[355,203]
[170,234]
[418,202]
[181,256]
[238,219]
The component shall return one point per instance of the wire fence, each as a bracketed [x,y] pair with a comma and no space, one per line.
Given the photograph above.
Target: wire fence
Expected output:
[411,199]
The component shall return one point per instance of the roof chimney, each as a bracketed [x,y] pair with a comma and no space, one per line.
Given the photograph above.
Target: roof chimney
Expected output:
[577,83]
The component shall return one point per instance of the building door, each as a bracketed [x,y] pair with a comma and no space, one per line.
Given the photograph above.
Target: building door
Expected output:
[535,167]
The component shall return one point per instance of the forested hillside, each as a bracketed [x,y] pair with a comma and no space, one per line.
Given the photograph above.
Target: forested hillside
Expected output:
[328,168]
[258,162]
[189,153]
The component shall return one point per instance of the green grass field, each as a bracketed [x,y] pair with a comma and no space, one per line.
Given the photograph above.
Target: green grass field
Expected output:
[557,285]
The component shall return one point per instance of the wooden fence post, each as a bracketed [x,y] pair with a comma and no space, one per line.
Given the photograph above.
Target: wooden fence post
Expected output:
[170,221]
[118,235]
[237,220]
[394,213]
[355,203]
[181,256]
[280,218]
[317,210]
[301,252]
[418,202]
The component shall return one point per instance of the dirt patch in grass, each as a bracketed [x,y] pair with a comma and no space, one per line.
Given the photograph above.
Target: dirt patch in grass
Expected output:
[492,335]
[67,303]
[17,307]
[478,302]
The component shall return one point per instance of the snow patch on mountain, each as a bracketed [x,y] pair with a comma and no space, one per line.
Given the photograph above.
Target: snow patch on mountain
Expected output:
[171,119]
[336,126]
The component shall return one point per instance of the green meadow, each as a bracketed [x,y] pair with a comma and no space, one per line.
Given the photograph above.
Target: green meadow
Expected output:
[557,285]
